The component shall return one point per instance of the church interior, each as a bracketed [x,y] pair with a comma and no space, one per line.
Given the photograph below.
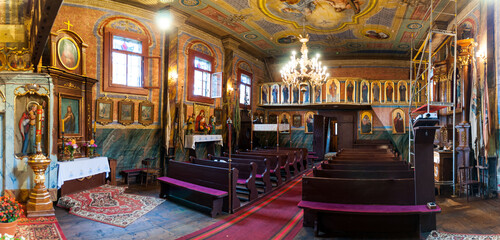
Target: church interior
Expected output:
[250,119]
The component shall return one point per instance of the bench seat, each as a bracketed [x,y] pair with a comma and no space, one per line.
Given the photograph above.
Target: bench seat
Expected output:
[194,187]
[368,209]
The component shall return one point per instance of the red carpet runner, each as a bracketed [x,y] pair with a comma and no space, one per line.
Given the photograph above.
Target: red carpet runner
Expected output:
[276,216]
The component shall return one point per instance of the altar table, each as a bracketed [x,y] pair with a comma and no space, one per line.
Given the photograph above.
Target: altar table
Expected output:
[80,168]
[191,140]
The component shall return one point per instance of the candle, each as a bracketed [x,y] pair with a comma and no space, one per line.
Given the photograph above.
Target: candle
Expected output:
[62,126]
[95,126]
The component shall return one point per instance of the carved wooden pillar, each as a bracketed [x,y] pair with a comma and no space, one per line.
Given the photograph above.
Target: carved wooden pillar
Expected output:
[230,45]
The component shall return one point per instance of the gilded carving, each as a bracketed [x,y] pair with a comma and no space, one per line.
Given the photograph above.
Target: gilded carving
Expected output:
[71,85]
[463,60]
[31,89]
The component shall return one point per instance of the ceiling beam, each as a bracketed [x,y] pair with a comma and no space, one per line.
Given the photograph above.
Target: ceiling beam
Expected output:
[44,15]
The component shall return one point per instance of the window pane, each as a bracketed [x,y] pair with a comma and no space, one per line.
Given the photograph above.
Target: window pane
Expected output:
[248,92]
[202,64]
[242,94]
[119,61]
[198,82]
[206,84]
[134,71]
[127,44]
[245,79]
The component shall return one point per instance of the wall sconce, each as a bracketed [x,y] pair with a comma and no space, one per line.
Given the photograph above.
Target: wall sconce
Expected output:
[230,88]
[173,76]
[481,54]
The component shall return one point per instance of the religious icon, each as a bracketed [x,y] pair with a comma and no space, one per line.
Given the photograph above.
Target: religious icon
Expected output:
[297,121]
[27,126]
[398,121]
[218,116]
[126,112]
[285,118]
[305,96]
[275,91]
[295,95]
[68,53]
[317,94]
[309,122]
[402,91]
[70,115]
[264,94]
[350,88]
[366,123]
[25,117]
[200,123]
[376,92]
[146,113]
[333,93]
[389,91]
[104,110]
[285,94]
[272,119]
[365,91]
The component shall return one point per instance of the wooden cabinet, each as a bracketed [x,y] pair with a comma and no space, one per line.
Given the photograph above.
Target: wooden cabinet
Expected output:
[443,166]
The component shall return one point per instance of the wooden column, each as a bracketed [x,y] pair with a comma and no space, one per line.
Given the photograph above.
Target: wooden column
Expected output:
[424,131]
[230,45]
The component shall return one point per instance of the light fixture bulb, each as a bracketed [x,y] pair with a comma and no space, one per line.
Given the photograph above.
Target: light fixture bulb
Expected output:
[164,20]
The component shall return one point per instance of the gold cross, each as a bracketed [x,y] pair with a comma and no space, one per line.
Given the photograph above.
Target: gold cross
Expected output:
[69,24]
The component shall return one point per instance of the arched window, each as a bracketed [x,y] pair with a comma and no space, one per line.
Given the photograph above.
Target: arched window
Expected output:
[201,67]
[124,61]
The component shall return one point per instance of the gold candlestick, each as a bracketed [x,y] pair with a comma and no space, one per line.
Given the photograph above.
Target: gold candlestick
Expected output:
[39,203]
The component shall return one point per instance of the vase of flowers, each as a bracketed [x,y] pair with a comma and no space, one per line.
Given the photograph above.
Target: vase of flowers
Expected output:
[91,146]
[71,147]
[10,211]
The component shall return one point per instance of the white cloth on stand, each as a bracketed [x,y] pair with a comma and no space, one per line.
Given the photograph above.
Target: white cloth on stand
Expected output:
[81,167]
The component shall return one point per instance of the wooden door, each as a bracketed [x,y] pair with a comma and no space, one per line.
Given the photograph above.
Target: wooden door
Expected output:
[319,139]
[346,130]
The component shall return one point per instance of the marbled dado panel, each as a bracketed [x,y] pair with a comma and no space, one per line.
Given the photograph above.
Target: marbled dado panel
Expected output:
[129,146]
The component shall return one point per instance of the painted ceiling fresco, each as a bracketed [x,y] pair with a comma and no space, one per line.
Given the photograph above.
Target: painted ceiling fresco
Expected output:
[344,28]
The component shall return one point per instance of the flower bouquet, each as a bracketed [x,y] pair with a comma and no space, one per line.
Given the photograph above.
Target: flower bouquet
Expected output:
[91,146]
[70,148]
[10,211]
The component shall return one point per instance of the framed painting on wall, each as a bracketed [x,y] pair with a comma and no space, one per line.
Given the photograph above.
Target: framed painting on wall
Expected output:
[305,93]
[68,53]
[126,111]
[218,116]
[375,92]
[365,91]
[398,121]
[70,115]
[285,94]
[389,92]
[350,91]
[146,113]
[317,94]
[402,92]
[264,94]
[366,123]
[332,91]
[295,95]
[104,110]
[297,121]
[275,94]
[272,119]
[309,118]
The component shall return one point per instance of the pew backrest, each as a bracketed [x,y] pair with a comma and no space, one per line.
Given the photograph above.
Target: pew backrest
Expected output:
[359,174]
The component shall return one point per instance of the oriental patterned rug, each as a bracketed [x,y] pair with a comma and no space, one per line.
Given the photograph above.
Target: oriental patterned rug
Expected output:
[275,216]
[39,228]
[109,204]
[437,235]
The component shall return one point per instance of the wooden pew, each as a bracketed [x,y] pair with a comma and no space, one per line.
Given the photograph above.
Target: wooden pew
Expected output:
[354,206]
[282,159]
[205,185]
[263,169]
[246,174]
[373,167]
[274,162]
[296,164]
[363,174]
[303,153]
[375,161]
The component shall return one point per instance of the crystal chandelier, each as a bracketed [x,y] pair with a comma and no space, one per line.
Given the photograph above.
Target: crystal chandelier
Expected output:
[304,69]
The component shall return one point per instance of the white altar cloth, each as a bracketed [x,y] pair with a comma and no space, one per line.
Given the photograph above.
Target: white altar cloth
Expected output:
[81,167]
[271,127]
[191,140]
